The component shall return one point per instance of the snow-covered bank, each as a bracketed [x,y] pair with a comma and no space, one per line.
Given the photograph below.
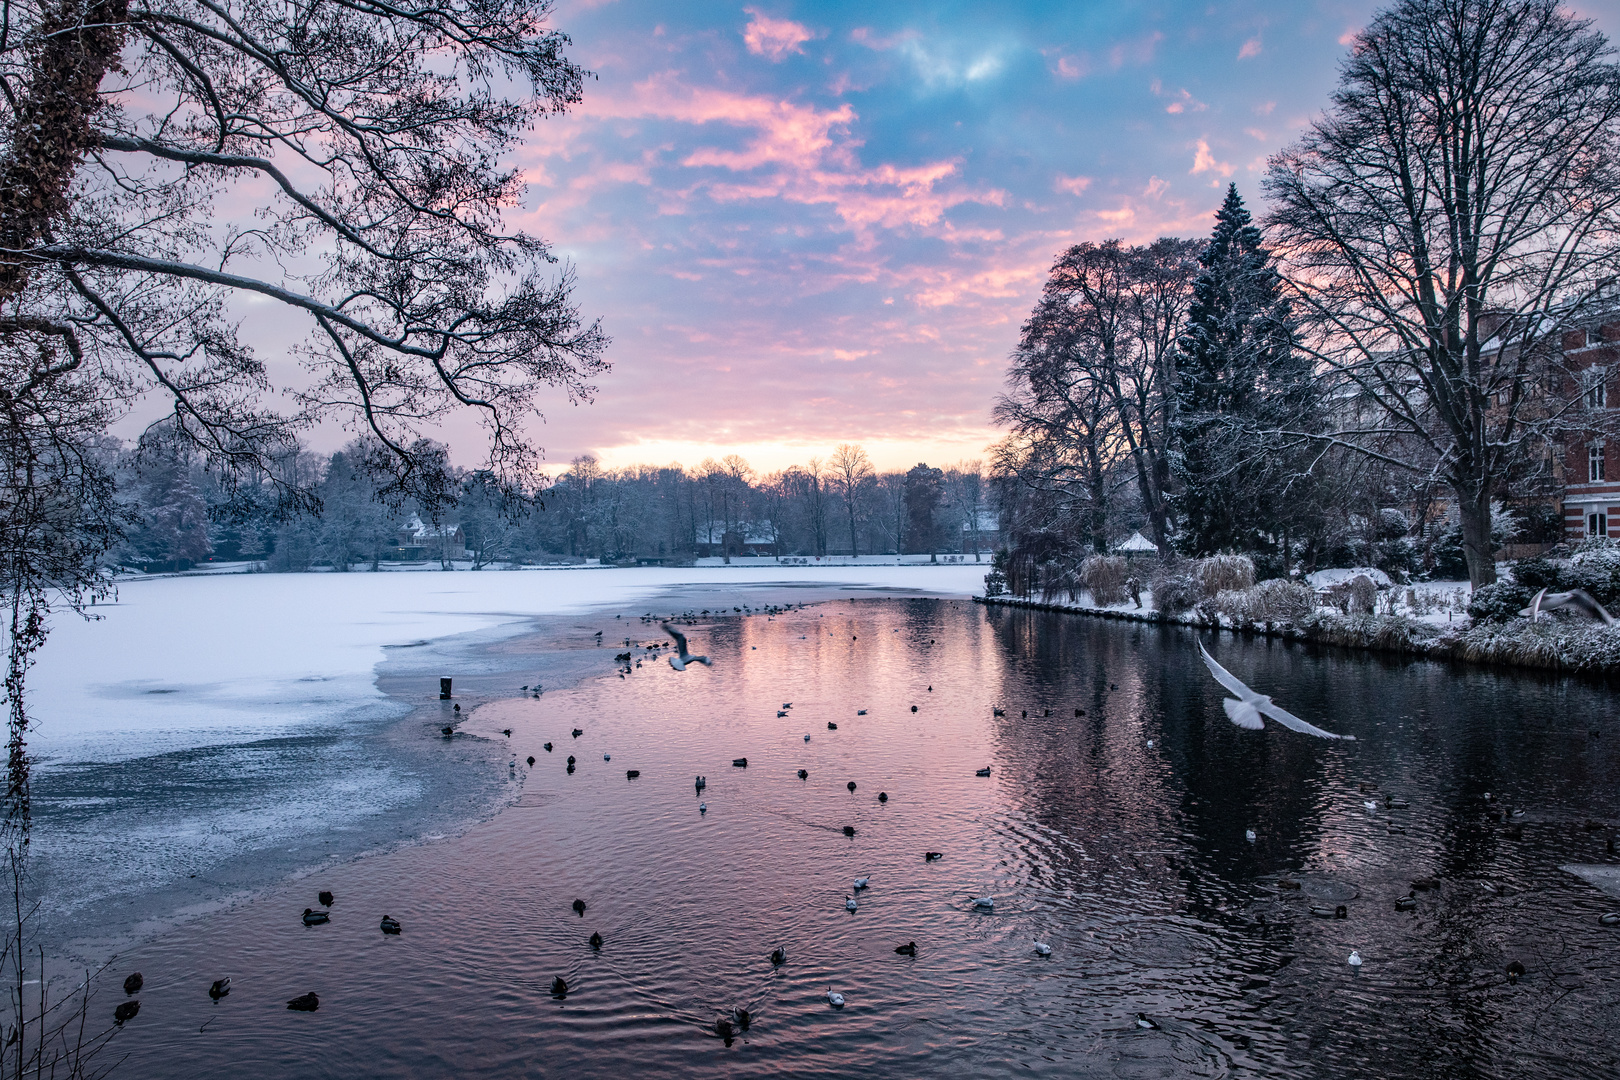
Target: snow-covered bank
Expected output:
[182,662]
[1549,645]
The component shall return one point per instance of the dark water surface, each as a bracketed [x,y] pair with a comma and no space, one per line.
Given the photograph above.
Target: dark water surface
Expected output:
[1130,860]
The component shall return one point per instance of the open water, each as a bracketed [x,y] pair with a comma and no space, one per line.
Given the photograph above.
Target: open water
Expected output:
[1112,826]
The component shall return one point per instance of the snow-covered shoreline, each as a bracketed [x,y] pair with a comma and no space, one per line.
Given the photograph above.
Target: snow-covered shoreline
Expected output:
[1550,645]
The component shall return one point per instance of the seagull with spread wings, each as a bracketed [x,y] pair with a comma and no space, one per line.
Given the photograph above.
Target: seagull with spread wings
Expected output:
[683,657]
[1246,710]
[1578,599]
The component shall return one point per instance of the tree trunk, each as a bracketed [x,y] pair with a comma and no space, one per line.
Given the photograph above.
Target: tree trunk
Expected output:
[1474,512]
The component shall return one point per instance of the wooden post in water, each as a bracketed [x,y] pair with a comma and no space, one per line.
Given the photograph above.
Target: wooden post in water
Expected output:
[444,689]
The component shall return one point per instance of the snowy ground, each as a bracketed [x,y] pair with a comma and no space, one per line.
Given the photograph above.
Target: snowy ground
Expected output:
[210,734]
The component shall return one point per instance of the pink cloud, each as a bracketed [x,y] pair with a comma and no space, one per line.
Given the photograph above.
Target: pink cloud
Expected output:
[1074,185]
[1204,161]
[774,39]
[1251,48]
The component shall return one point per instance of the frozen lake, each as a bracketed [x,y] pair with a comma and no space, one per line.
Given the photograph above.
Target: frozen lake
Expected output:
[209,735]
[1128,857]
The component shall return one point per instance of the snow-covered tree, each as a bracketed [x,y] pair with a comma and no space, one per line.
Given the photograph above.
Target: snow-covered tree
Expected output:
[1240,380]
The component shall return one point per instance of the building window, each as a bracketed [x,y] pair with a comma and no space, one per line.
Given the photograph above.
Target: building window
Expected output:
[1594,463]
[1597,525]
[1597,389]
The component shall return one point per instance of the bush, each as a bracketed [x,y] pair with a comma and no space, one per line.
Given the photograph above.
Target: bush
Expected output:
[995,582]
[1536,573]
[1104,577]
[1274,601]
[1499,602]
[1595,567]
[1174,588]
[1223,573]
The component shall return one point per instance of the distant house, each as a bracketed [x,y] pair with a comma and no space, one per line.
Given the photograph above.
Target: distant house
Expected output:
[419,541]
[715,538]
[985,537]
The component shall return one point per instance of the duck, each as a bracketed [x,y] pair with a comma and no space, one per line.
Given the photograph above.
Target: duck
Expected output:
[804,774]
[325,897]
[315,918]
[531,760]
[739,763]
[701,782]
[631,774]
[570,759]
[722,1028]
[831,726]
[126,1011]
[780,714]
[1323,912]
[930,856]
[986,902]
[578,732]
[559,987]
[703,808]
[861,882]
[1146,1022]
[220,988]
[133,984]
[982,772]
[1042,949]
[914,708]
[742,1017]
[860,712]
[834,998]
[390,925]
[1150,744]
[1514,970]
[1609,918]
[908,949]
[507,732]
[570,768]
[850,904]
[1355,959]
[595,940]
[1248,834]
[807,736]
[849,830]
[548,748]
[305,1003]
[579,908]
[607,757]
[1406,903]
[850,785]
[778,956]
[883,796]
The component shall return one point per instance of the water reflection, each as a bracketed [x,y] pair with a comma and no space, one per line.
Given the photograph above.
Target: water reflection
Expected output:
[1130,859]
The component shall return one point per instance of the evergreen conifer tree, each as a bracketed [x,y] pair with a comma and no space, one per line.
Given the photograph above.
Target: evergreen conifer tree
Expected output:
[1240,381]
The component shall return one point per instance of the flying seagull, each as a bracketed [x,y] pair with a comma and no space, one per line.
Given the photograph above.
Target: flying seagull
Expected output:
[1579,599]
[1245,711]
[680,661]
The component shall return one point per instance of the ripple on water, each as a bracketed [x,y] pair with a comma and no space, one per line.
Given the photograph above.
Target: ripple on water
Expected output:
[1130,861]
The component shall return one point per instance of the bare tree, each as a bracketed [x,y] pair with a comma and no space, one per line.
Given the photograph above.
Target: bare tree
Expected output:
[1455,207]
[851,473]
[1111,314]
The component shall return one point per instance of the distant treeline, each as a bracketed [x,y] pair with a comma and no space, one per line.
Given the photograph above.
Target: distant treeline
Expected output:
[177,514]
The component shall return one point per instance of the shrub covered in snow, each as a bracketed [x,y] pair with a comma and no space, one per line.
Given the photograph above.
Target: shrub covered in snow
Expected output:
[1498,602]
[1274,601]
[1104,577]
[1223,573]
[1174,587]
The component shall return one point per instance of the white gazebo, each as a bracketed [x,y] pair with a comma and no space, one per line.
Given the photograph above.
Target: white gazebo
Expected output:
[1136,545]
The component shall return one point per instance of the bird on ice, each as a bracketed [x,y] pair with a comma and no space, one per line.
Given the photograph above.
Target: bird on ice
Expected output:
[683,657]
[1246,709]
[1579,599]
